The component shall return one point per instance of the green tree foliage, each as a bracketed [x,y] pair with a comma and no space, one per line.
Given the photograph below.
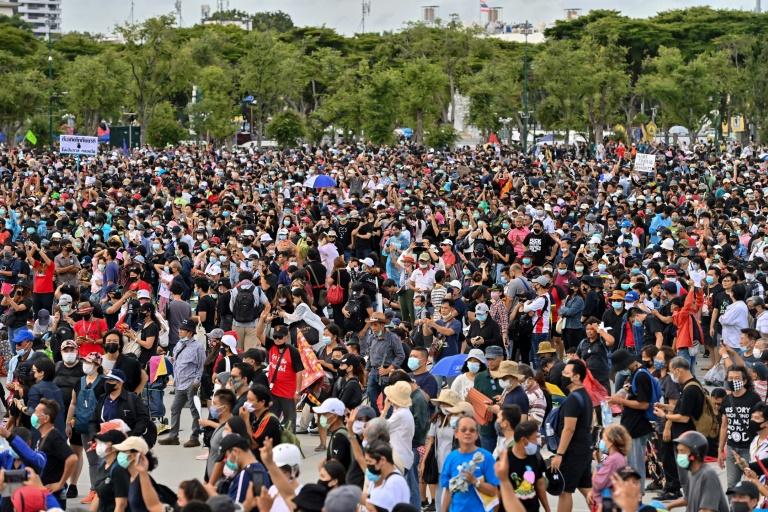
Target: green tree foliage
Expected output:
[211,117]
[286,128]
[164,127]
[277,21]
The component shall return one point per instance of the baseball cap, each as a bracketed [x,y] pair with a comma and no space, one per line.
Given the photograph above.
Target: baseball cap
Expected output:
[69,344]
[229,341]
[368,262]
[343,499]
[116,374]
[279,332]
[143,294]
[65,299]
[133,443]
[330,405]
[188,325]
[232,441]
[23,335]
[481,309]
[216,334]
[631,297]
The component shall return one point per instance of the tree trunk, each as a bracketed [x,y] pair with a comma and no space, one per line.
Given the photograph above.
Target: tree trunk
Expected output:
[452,87]
[418,134]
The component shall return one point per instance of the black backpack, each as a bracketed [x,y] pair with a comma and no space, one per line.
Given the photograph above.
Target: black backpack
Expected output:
[63,332]
[245,309]
[150,434]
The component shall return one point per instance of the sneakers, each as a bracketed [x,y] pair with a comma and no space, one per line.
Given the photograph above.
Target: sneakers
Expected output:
[668,496]
[71,492]
[320,448]
[192,443]
[169,441]
[88,499]
[162,427]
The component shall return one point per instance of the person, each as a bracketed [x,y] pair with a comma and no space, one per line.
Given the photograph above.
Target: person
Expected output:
[261,424]
[490,387]
[594,351]
[348,387]
[111,492]
[745,494]
[510,377]
[247,300]
[417,363]
[188,359]
[526,468]
[571,310]
[285,371]
[114,359]
[539,310]
[703,490]
[387,487]
[43,374]
[474,364]
[539,400]
[572,457]
[735,433]
[60,459]
[671,393]
[385,355]
[611,456]
[283,462]
[402,426]
[191,491]
[134,456]
[121,404]
[332,412]
[468,471]
[250,474]
[222,405]
[636,402]
[18,309]
[89,330]
[240,379]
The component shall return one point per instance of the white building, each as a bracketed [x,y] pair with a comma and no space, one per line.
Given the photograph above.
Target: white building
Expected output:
[7,8]
[43,15]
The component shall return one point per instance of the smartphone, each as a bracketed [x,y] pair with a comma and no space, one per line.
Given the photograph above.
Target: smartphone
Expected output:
[15,476]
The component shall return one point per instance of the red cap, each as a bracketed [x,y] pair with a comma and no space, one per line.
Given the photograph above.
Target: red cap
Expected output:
[29,499]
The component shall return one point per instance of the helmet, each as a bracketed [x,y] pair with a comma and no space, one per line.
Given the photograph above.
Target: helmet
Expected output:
[694,441]
[626,224]
[286,454]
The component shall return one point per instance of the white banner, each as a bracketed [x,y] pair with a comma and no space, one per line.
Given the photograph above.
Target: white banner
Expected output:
[79,145]
[645,162]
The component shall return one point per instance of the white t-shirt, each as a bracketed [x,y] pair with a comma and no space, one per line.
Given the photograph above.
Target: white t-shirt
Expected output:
[279,504]
[401,430]
[392,492]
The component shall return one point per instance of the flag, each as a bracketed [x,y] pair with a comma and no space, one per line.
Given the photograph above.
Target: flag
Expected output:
[484,6]
[31,137]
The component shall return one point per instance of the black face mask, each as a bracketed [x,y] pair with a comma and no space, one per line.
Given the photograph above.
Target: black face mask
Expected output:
[111,348]
[86,316]
[373,470]
[324,483]
[109,387]
[223,351]
[648,364]
[565,381]
[754,427]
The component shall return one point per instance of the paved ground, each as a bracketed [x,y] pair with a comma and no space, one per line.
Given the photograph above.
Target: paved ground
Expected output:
[178,464]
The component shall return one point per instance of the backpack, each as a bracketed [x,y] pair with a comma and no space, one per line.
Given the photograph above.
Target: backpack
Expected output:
[245,309]
[707,423]
[63,332]
[551,425]
[287,435]
[656,393]
[86,404]
[150,434]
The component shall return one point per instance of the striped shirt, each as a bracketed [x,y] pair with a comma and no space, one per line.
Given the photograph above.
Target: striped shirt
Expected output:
[437,295]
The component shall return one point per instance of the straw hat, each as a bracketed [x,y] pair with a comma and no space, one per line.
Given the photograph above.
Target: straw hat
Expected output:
[447,397]
[399,394]
[464,408]
[546,347]
[507,369]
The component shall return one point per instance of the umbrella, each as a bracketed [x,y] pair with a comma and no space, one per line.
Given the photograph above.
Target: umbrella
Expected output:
[320,181]
[449,366]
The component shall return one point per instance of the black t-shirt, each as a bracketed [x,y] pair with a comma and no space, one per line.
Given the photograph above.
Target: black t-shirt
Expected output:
[524,473]
[339,447]
[364,244]
[19,319]
[540,246]
[738,411]
[351,393]
[651,327]
[149,331]
[581,442]
[634,420]
[54,446]
[114,485]
[595,354]
[207,304]
[358,312]
[720,302]
[267,425]
[691,404]
[222,305]
[343,235]
[132,368]
[68,378]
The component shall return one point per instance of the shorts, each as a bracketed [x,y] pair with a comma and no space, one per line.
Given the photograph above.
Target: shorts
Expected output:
[577,472]
[75,439]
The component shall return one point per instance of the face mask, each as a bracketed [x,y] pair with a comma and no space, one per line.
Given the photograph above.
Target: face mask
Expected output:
[617,304]
[228,472]
[565,381]
[101,267]
[674,378]
[505,225]
[736,385]
[232,465]
[111,348]
[625,286]
[638,323]
[531,449]
[758,353]
[481,318]
[69,357]
[579,268]
[325,340]
[659,365]
[466,272]
[101,449]
[123,460]
[749,277]
[682,461]
[35,421]
[562,271]
[371,477]
[453,422]
[64,309]
[505,383]
[214,412]
[710,279]
[248,406]
[21,351]
[323,421]
[526,261]
[357,427]
[601,267]
[155,247]
[414,363]
[109,387]
[602,446]
[222,258]
[473,367]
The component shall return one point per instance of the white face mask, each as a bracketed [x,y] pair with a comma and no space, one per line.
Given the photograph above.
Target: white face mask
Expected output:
[357,427]
[69,357]
[107,364]
[89,368]
[758,353]
[101,449]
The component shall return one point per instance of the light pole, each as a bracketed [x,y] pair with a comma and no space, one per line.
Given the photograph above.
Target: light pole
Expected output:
[130,116]
[524,116]
[505,124]
[50,93]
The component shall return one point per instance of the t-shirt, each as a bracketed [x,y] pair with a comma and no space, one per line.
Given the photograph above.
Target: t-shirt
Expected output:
[178,311]
[339,447]
[208,305]
[267,425]
[704,491]
[737,410]
[287,362]
[524,473]
[149,331]
[595,354]
[115,484]
[517,396]
[455,463]
[393,491]
[691,404]
[93,329]
[540,246]
[43,280]
[582,411]
[428,383]
[451,342]
[634,420]
[132,369]
[238,489]
[54,446]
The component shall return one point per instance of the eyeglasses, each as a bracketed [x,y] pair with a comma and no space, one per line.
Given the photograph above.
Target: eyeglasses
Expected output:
[467,430]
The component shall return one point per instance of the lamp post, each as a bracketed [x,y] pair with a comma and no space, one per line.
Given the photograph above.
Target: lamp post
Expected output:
[524,114]
[50,94]
[505,124]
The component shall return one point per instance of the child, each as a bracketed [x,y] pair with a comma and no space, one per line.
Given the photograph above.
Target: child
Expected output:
[160,371]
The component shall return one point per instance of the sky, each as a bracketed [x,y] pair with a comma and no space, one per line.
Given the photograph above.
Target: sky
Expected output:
[344,15]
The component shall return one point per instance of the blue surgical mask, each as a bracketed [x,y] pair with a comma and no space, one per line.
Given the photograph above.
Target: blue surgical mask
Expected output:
[531,449]
[638,323]
[123,461]
[602,446]
[625,286]
[617,304]
[710,279]
[21,351]
[232,465]
[373,478]
[454,421]
[481,317]
[214,412]
[473,367]
[325,340]
[659,365]
[526,261]
[413,363]
[601,267]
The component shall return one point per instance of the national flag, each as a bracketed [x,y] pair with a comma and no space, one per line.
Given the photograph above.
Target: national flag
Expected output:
[484,6]
[30,137]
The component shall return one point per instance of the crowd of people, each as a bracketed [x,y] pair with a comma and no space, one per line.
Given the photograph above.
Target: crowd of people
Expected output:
[461,330]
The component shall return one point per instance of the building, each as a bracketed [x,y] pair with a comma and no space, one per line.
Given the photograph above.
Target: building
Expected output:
[43,15]
[7,8]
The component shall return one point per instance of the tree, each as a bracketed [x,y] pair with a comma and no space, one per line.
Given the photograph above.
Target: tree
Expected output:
[286,128]
[277,21]
[381,103]
[21,94]
[424,93]
[164,127]
[495,92]
[213,113]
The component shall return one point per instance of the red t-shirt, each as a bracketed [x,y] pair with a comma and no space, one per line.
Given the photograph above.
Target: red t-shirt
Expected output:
[43,281]
[285,383]
[92,329]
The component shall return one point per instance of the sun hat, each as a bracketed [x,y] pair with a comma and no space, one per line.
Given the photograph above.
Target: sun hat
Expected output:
[447,397]
[507,369]
[462,407]
[399,394]
[546,347]
[476,353]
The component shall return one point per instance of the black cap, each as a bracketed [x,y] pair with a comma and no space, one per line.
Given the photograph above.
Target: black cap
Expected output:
[622,358]
[280,331]
[351,359]
[745,488]
[628,472]
[555,482]
[311,497]
[232,441]
[188,325]
[111,436]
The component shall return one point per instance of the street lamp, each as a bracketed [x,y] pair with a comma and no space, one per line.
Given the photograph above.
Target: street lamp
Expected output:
[130,116]
[525,114]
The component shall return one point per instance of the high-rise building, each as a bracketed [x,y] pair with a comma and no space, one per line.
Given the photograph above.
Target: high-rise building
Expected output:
[7,8]
[43,15]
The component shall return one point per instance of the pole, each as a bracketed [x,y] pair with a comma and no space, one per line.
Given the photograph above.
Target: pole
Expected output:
[525,90]
[50,91]
[130,137]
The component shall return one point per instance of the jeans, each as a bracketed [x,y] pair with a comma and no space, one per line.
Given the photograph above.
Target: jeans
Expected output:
[636,457]
[374,389]
[671,476]
[93,461]
[285,409]
[732,470]
[412,477]
[488,442]
[183,398]
[535,340]
[684,352]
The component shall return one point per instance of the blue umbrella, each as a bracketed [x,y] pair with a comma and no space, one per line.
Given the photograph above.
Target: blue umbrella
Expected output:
[449,366]
[320,181]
